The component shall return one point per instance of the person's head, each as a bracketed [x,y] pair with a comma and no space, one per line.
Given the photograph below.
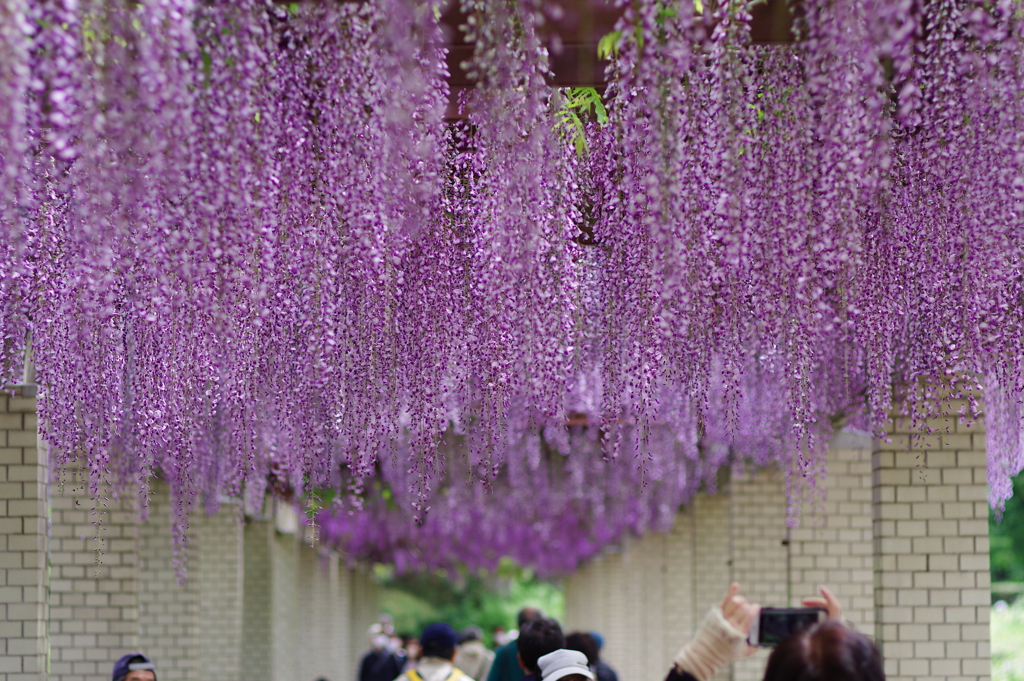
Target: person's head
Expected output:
[830,651]
[537,639]
[377,637]
[527,615]
[134,667]
[438,640]
[564,665]
[470,634]
[412,647]
[585,644]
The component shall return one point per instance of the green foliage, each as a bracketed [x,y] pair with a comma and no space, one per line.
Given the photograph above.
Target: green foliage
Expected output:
[578,103]
[1007,538]
[486,601]
[608,45]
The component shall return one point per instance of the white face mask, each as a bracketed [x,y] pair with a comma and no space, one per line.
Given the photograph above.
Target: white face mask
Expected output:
[380,641]
[394,643]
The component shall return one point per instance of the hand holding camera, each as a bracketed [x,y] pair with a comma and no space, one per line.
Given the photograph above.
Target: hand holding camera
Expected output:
[734,630]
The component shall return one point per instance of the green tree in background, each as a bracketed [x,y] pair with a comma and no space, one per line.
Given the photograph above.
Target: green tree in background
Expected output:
[1007,538]
[482,600]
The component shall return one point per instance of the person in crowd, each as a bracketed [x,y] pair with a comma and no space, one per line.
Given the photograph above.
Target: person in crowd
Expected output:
[602,669]
[472,656]
[379,663]
[506,658]
[437,643]
[411,652]
[565,665]
[827,651]
[500,636]
[134,667]
[590,645]
[537,639]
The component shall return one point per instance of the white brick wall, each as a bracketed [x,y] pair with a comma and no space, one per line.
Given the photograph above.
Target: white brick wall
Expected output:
[256,604]
[220,589]
[932,589]
[903,539]
[905,547]
[711,562]
[836,548]
[169,624]
[23,526]
[760,554]
[645,597]
[257,608]
[304,614]
[94,580]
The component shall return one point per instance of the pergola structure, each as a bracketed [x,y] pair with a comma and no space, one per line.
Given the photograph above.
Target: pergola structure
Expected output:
[257,247]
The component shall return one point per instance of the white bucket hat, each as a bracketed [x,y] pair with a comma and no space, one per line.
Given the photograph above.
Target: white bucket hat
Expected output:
[554,666]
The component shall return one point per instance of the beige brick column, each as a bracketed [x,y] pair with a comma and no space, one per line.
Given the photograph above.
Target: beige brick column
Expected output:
[220,589]
[760,555]
[341,638]
[94,581]
[169,626]
[711,560]
[678,594]
[365,603]
[646,596]
[836,548]
[285,606]
[23,540]
[257,603]
[932,555]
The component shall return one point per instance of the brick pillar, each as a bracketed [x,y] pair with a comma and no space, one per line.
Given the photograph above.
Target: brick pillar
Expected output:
[677,592]
[94,598]
[169,630]
[220,589]
[760,555]
[341,640]
[257,607]
[365,607]
[711,560]
[932,555]
[24,643]
[285,606]
[835,548]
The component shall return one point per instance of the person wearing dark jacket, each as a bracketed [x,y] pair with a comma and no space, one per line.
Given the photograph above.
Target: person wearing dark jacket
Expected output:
[380,663]
[506,658]
[536,640]
[590,645]
[828,651]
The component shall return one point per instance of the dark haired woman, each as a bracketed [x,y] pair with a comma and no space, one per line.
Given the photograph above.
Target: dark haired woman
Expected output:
[828,651]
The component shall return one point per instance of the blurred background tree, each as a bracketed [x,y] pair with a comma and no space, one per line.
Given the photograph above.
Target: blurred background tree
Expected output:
[1007,538]
[1007,560]
[462,600]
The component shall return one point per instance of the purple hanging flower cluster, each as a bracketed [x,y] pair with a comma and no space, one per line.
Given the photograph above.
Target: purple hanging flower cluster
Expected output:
[245,250]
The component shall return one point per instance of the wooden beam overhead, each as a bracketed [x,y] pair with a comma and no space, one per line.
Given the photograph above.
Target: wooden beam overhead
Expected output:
[572,40]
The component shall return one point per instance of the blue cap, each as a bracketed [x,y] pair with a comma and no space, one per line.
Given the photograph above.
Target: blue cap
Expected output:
[438,636]
[130,663]
[598,639]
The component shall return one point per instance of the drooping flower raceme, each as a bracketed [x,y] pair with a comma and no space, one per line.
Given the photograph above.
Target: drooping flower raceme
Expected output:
[249,252]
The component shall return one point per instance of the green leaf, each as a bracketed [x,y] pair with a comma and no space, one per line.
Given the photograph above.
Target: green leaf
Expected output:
[207,66]
[608,45]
